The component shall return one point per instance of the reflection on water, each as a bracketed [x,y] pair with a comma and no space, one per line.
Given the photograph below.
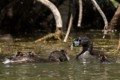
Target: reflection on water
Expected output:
[72,70]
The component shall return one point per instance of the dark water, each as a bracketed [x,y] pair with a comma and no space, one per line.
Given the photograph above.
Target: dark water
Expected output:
[72,70]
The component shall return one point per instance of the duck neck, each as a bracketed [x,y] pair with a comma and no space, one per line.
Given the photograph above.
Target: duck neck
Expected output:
[88,47]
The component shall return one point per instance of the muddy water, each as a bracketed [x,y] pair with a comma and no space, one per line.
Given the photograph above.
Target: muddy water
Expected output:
[72,70]
[62,71]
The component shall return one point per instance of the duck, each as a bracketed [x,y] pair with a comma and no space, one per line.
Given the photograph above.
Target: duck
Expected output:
[88,54]
[31,57]
[21,57]
[58,56]
[13,59]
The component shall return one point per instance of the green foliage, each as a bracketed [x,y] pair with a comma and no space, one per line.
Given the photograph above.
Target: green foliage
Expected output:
[115,2]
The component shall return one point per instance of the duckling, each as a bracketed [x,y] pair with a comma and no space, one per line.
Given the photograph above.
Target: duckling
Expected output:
[19,54]
[15,60]
[32,57]
[20,57]
[88,53]
[31,54]
[58,56]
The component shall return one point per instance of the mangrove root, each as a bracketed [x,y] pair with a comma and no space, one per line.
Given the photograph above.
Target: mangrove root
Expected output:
[57,35]
[103,16]
[58,20]
[69,28]
[80,13]
[55,12]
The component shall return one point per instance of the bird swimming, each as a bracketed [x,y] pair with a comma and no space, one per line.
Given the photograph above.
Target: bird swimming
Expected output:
[88,53]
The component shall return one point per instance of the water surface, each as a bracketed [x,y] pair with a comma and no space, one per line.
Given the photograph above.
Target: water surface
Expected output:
[72,70]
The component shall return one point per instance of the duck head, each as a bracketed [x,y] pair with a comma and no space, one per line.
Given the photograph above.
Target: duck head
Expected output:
[19,54]
[31,54]
[81,40]
[103,59]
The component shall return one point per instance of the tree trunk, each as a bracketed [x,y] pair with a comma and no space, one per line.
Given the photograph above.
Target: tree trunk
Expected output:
[118,47]
[115,21]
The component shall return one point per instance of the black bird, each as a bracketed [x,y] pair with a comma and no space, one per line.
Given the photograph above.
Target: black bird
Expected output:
[87,53]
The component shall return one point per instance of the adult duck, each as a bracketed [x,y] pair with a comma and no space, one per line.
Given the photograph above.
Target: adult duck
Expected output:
[88,54]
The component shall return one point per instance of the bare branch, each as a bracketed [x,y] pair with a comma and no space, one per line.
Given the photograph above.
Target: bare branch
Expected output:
[80,13]
[69,27]
[102,14]
[55,12]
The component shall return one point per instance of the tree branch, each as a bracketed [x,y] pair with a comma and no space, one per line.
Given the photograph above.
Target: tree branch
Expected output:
[80,13]
[102,14]
[69,27]
[58,20]
[55,12]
